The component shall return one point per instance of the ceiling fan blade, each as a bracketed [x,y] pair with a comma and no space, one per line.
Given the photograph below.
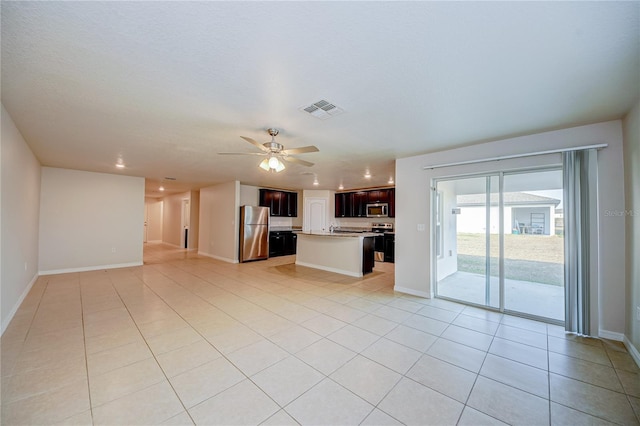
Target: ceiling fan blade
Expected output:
[241,153]
[300,150]
[297,161]
[258,144]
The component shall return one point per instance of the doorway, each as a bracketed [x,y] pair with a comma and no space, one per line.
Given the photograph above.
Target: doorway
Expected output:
[315,217]
[499,242]
[186,214]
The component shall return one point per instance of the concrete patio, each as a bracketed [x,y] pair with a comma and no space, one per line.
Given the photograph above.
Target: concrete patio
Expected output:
[532,298]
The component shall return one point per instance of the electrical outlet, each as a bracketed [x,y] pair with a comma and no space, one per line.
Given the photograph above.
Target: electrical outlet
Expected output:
[113,249]
[638,313]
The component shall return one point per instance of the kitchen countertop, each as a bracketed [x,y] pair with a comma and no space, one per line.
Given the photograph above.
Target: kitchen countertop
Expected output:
[285,229]
[339,234]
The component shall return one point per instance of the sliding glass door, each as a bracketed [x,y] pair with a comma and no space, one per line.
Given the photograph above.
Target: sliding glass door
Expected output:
[498,242]
[466,255]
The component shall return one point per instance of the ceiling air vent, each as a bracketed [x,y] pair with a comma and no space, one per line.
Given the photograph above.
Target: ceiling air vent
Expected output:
[322,110]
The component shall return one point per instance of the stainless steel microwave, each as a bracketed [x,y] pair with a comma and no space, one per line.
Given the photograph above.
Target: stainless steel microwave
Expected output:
[378,210]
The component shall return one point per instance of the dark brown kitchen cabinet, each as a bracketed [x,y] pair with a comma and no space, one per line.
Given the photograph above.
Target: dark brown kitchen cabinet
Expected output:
[281,203]
[368,255]
[392,202]
[378,196]
[389,248]
[282,243]
[354,204]
[360,201]
[344,204]
[291,202]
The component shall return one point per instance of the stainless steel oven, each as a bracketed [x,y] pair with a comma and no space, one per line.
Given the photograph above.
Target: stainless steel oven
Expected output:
[380,228]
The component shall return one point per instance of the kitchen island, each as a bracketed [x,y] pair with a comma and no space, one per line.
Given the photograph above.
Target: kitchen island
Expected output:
[344,253]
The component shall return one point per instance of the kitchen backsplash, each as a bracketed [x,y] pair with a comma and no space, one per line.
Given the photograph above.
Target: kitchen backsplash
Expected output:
[281,221]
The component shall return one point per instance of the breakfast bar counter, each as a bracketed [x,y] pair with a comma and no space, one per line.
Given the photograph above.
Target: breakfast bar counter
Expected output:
[344,253]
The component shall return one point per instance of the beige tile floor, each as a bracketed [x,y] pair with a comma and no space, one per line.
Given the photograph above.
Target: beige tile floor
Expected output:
[190,340]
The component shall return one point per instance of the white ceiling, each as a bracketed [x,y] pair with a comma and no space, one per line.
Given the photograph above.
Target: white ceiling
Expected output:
[167,85]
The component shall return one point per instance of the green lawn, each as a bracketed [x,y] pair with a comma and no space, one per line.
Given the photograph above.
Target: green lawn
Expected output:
[535,258]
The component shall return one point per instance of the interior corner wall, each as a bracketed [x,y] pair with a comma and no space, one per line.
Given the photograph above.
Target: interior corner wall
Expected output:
[20,200]
[414,269]
[89,220]
[249,195]
[219,216]
[172,218]
[631,128]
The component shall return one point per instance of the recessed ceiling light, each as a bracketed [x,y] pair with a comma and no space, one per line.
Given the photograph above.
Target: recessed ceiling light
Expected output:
[341,187]
[315,182]
[120,165]
[367,174]
[161,188]
[390,180]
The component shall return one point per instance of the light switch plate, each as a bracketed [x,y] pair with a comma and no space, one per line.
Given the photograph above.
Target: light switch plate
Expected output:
[421,227]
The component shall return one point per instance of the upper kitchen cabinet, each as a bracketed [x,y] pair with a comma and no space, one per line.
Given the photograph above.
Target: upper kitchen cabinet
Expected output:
[360,201]
[343,204]
[281,203]
[354,204]
[392,202]
[378,196]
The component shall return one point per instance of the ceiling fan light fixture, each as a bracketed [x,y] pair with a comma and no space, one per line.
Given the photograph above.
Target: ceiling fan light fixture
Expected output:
[264,165]
[273,162]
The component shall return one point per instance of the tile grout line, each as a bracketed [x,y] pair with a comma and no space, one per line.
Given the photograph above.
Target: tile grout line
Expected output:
[205,339]
[86,357]
[184,263]
[151,351]
[293,355]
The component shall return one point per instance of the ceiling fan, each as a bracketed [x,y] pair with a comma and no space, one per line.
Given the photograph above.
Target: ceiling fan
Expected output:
[275,153]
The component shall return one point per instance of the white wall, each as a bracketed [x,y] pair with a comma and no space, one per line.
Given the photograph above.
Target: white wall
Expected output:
[249,195]
[154,219]
[194,220]
[20,200]
[631,126]
[219,215]
[89,220]
[172,218]
[413,248]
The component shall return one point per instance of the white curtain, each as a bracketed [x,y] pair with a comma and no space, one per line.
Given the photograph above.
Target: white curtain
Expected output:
[578,167]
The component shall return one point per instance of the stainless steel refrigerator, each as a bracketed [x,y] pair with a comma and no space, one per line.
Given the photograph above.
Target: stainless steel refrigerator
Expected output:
[254,233]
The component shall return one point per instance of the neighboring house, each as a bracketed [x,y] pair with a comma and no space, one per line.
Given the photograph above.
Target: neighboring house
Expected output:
[523,214]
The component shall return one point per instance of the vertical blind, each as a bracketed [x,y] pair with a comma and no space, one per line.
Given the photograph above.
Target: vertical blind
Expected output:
[578,167]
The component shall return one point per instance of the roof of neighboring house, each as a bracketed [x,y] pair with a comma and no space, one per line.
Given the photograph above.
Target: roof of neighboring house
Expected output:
[510,199]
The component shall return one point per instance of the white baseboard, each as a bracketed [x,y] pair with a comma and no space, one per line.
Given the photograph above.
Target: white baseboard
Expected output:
[12,313]
[632,350]
[90,268]
[413,292]
[213,256]
[611,335]
[330,269]
[172,245]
